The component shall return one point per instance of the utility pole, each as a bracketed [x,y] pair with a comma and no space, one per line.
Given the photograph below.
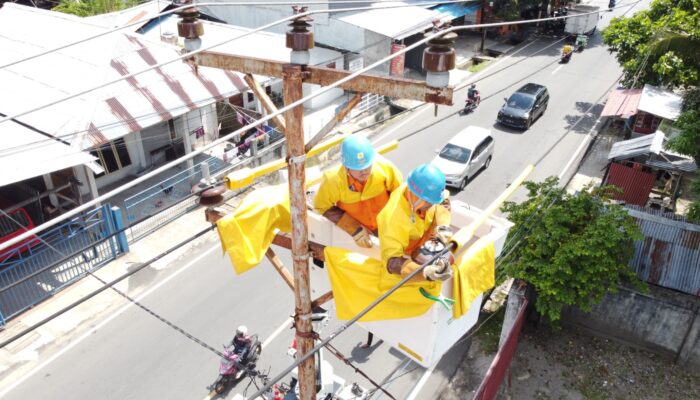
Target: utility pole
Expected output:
[439,58]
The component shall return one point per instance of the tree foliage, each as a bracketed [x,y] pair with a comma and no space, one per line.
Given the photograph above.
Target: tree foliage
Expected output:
[86,8]
[659,46]
[688,142]
[574,249]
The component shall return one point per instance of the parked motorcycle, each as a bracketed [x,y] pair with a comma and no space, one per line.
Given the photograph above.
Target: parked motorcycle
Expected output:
[472,102]
[232,368]
[581,42]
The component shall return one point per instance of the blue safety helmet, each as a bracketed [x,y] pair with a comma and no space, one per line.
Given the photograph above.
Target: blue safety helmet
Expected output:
[427,183]
[357,153]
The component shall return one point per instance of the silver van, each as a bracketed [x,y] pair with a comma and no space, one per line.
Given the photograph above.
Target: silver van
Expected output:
[464,155]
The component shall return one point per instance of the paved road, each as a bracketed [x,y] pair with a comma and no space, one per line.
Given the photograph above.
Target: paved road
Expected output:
[135,356]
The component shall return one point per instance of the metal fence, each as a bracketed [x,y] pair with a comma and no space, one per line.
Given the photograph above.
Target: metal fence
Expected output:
[157,205]
[75,247]
[146,211]
[669,254]
[501,363]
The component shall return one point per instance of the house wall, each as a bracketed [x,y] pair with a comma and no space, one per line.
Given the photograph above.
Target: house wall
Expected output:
[667,324]
[153,137]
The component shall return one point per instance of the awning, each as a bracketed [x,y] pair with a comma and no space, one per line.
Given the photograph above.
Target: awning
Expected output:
[25,154]
[622,103]
[660,102]
[456,10]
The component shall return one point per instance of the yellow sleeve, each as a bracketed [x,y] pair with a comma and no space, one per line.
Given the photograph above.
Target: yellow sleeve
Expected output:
[396,177]
[327,194]
[394,227]
[442,216]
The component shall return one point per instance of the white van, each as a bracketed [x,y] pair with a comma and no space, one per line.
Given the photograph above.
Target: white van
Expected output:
[464,155]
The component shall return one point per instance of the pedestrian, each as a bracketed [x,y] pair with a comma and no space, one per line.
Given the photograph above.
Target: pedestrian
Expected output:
[352,194]
[417,211]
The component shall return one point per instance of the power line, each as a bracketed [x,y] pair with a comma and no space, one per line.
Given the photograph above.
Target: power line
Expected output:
[180,8]
[262,120]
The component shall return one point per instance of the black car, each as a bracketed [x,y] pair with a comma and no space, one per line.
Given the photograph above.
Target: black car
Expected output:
[524,106]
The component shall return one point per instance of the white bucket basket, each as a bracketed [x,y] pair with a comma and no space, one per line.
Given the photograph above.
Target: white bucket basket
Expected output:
[426,338]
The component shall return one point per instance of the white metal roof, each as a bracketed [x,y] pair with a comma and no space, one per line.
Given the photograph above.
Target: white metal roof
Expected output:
[259,45]
[660,102]
[105,114]
[651,146]
[141,12]
[396,23]
[46,155]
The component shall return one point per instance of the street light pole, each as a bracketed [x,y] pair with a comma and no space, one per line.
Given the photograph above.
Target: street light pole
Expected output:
[483,30]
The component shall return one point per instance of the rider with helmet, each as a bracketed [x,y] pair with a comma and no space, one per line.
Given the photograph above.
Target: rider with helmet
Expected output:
[472,93]
[417,211]
[242,342]
[352,194]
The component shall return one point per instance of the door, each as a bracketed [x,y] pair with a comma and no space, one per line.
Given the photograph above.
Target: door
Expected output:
[477,159]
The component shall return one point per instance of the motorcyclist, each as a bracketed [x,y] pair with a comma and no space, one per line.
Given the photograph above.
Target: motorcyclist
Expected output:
[472,93]
[566,52]
[241,342]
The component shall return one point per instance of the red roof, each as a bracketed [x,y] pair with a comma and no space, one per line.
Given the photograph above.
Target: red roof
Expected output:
[622,103]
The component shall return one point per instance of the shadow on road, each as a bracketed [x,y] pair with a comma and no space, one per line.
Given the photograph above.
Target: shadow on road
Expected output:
[583,121]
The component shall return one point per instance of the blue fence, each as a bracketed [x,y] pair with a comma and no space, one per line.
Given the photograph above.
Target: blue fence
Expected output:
[165,200]
[80,245]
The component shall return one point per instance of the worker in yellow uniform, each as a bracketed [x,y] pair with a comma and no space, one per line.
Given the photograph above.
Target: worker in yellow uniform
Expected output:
[417,211]
[352,194]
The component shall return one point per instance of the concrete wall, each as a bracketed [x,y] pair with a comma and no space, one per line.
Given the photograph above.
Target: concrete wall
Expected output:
[663,322]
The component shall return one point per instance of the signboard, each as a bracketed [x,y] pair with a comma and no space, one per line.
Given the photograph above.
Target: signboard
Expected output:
[397,63]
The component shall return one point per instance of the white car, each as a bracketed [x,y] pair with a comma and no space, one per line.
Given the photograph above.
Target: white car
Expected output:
[464,155]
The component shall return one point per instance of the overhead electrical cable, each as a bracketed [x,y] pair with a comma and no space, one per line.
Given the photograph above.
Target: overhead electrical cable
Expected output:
[264,119]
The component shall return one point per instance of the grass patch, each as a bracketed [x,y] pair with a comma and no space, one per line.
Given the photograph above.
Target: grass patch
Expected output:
[490,333]
[478,67]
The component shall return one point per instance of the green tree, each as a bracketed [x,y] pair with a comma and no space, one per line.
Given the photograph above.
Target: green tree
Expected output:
[86,8]
[659,46]
[688,142]
[572,248]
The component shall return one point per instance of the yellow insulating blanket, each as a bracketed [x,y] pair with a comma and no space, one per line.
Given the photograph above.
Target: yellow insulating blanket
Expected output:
[358,280]
[474,272]
[248,232]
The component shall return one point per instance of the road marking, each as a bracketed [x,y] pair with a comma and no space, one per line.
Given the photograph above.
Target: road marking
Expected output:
[421,383]
[285,325]
[106,321]
[557,69]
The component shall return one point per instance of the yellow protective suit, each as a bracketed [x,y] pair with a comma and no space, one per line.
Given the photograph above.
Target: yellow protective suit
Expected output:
[357,280]
[398,235]
[247,233]
[474,272]
[362,205]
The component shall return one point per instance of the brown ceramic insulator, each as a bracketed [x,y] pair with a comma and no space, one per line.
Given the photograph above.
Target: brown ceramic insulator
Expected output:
[211,196]
[300,40]
[439,55]
[189,26]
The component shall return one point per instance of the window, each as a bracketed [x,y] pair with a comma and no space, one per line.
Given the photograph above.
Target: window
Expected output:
[112,156]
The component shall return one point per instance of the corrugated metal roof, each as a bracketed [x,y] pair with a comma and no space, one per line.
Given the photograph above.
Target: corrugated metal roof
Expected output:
[141,12]
[622,103]
[395,23]
[643,145]
[651,148]
[109,113]
[660,102]
[669,254]
[635,184]
[25,154]
[266,45]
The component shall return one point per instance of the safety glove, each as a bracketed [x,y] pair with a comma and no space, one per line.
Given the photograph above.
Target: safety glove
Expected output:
[439,270]
[359,233]
[443,233]
[363,238]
